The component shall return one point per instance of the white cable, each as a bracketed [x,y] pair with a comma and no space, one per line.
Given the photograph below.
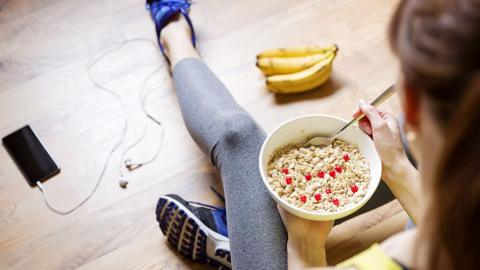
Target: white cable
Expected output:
[92,62]
[143,100]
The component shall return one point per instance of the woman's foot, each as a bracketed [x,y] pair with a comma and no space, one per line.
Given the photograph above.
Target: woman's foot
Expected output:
[197,231]
[174,29]
[176,40]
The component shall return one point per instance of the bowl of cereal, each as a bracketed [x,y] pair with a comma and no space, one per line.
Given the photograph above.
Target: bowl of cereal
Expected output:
[319,182]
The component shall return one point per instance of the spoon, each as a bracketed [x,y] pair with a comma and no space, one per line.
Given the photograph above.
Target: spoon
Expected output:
[320,140]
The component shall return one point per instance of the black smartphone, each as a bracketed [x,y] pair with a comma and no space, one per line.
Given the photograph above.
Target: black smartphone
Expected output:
[30,156]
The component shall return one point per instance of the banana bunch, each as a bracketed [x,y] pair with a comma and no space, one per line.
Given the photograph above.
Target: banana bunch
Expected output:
[295,70]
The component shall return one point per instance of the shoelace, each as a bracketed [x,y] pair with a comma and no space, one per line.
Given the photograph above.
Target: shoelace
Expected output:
[218,194]
[220,209]
[211,206]
[206,205]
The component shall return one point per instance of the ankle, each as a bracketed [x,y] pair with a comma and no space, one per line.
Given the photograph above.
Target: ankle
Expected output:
[174,43]
[177,53]
[176,31]
[176,38]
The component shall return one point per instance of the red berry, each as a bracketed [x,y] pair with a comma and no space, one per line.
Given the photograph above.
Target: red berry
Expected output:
[354,188]
[338,169]
[332,174]
[288,180]
[335,201]
[285,170]
[303,198]
[321,174]
[308,177]
[328,191]
[318,197]
[346,157]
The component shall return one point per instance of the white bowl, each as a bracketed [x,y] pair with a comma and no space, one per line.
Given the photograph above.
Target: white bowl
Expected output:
[298,130]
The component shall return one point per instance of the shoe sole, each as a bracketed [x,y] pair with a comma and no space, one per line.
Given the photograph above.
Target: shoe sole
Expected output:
[188,235]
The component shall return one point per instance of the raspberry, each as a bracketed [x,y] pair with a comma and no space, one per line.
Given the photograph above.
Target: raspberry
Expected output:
[321,174]
[285,170]
[346,157]
[338,169]
[336,201]
[308,177]
[354,188]
[288,180]
[332,174]
[318,197]
[303,198]
[328,191]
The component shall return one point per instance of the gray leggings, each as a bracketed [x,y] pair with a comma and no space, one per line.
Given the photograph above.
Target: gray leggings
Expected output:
[232,139]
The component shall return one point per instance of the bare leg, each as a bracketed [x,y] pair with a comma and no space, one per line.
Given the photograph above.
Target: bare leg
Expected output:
[176,38]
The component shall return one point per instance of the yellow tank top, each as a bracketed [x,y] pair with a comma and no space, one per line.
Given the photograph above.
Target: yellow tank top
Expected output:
[372,259]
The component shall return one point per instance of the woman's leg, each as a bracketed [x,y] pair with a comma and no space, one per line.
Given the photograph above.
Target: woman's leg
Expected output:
[232,139]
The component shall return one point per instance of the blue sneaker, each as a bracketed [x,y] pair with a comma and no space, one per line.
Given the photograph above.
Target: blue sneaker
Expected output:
[198,231]
[162,10]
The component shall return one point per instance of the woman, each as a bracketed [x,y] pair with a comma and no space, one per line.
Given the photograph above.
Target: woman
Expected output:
[437,43]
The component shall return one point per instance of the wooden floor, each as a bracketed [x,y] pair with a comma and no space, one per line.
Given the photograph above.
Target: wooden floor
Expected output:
[44,49]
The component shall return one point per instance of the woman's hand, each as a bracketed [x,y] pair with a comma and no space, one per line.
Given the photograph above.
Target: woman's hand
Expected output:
[306,240]
[313,232]
[397,172]
[384,129]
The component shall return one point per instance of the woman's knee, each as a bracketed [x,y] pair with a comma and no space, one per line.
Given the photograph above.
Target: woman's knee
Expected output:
[239,129]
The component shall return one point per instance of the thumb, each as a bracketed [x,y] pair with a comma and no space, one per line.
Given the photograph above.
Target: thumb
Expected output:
[283,215]
[372,114]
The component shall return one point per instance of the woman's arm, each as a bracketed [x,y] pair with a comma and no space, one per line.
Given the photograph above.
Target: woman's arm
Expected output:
[404,181]
[397,172]
[302,254]
[306,240]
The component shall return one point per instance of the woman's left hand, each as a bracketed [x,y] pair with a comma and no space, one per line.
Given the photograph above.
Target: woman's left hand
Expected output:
[306,240]
[314,232]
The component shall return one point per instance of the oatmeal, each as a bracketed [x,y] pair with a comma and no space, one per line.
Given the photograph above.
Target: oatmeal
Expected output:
[319,178]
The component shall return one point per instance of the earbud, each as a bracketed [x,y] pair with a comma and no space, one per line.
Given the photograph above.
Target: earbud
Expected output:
[123,182]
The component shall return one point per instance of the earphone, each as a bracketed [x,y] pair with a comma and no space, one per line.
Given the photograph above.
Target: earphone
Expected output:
[126,163]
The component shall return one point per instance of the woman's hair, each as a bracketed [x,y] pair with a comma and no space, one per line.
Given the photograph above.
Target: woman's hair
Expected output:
[438,44]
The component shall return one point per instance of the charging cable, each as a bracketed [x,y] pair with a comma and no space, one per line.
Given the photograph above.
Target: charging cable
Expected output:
[150,118]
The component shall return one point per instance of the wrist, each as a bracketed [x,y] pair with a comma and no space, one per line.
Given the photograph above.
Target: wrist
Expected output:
[394,172]
[308,251]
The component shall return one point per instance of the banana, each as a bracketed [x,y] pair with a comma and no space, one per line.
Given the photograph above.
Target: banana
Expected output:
[304,80]
[297,51]
[282,65]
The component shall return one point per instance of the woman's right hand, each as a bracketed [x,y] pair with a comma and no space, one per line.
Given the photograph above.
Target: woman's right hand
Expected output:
[384,129]
[397,172]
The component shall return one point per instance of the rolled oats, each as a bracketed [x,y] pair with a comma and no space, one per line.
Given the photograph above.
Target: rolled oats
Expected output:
[322,179]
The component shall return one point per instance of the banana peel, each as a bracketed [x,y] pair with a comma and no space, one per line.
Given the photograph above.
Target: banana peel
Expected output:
[295,70]
[297,51]
[281,65]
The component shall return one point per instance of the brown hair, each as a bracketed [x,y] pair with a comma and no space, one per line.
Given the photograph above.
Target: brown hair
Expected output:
[438,44]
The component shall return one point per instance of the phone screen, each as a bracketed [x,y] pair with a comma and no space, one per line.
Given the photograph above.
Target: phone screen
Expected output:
[30,156]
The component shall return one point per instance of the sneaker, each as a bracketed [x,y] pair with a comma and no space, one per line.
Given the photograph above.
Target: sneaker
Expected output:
[162,10]
[198,231]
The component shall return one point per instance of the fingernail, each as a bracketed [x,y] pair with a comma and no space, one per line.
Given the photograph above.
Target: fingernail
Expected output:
[362,102]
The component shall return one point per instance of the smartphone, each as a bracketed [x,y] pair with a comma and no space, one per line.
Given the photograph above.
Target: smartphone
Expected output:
[30,155]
